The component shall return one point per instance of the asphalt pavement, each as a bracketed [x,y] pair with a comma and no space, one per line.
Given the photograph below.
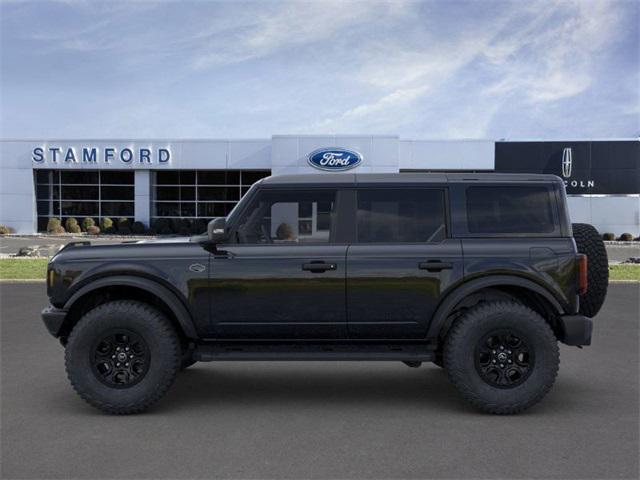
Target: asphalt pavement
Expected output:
[320,420]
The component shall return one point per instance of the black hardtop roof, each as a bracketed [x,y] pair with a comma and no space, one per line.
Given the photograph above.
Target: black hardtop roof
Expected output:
[404,178]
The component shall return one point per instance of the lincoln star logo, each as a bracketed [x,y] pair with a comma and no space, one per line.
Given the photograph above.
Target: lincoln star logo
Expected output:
[334,159]
[567,162]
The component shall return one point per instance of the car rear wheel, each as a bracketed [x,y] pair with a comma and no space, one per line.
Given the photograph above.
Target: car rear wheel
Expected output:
[122,356]
[589,242]
[502,357]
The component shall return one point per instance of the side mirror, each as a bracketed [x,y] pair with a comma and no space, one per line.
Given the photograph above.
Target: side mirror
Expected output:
[217,230]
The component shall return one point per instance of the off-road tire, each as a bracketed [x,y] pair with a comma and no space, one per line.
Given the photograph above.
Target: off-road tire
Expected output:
[468,332]
[162,344]
[589,242]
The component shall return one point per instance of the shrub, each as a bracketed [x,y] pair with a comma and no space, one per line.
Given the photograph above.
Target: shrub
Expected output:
[88,222]
[124,226]
[52,224]
[159,223]
[162,226]
[71,224]
[138,228]
[93,230]
[199,227]
[106,226]
[5,230]
[626,237]
[608,236]
[57,230]
[181,226]
[176,225]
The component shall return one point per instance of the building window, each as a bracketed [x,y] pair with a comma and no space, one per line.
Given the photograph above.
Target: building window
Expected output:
[202,194]
[88,193]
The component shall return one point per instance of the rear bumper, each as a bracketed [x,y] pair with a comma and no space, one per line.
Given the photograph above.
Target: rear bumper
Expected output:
[576,329]
[53,319]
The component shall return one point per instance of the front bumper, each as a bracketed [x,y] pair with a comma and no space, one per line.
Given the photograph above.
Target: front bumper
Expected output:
[576,330]
[53,319]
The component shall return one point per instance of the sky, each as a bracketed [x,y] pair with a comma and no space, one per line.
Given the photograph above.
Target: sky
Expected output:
[420,70]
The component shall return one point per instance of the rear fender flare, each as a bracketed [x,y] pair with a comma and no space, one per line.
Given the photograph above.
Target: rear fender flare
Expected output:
[446,307]
[163,293]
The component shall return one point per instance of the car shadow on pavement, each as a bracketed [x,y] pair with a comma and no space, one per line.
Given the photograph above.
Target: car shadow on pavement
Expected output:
[221,385]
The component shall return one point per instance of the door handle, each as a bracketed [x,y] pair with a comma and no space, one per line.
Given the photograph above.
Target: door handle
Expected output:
[435,266]
[318,267]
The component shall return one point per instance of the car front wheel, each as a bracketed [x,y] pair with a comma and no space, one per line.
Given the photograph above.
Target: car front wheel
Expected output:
[122,356]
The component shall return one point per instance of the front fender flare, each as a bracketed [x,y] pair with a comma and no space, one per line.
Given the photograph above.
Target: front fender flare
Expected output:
[439,319]
[163,293]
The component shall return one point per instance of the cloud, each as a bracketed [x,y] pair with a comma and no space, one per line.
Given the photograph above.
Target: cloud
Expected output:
[434,69]
[394,101]
[544,53]
[288,25]
[553,57]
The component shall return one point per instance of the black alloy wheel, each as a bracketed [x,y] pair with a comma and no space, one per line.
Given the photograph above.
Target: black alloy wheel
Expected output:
[504,359]
[120,359]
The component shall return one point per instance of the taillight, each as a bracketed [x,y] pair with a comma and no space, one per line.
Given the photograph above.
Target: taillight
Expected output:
[583,280]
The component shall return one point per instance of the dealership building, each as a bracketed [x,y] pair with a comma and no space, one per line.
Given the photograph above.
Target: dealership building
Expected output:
[146,180]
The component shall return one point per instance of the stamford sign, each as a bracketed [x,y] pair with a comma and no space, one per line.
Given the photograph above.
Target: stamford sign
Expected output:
[334,159]
[95,155]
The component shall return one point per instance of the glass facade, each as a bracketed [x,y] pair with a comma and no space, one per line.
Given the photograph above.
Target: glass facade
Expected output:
[85,193]
[201,194]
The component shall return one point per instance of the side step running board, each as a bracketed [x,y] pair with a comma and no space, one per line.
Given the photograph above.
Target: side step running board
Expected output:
[232,351]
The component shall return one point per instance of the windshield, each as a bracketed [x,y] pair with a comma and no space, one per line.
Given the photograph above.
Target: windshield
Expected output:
[204,236]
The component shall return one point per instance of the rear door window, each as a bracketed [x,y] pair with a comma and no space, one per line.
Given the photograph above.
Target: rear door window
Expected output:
[512,209]
[401,215]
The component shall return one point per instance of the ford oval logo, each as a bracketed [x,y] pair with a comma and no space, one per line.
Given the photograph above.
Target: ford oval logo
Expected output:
[334,159]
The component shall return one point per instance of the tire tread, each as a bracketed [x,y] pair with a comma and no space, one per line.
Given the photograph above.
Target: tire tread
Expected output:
[165,329]
[453,353]
[590,243]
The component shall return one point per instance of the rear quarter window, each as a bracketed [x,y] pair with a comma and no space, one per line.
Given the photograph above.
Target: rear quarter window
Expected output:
[509,209]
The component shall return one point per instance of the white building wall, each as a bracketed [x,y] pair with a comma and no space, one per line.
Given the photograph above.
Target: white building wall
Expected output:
[142,196]
[615,214]
[17,188]
[446,154]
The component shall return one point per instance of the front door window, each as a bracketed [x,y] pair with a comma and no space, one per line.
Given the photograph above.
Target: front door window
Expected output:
[292,216]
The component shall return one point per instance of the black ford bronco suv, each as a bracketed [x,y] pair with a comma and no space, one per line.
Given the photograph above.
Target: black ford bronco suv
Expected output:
[481,274]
